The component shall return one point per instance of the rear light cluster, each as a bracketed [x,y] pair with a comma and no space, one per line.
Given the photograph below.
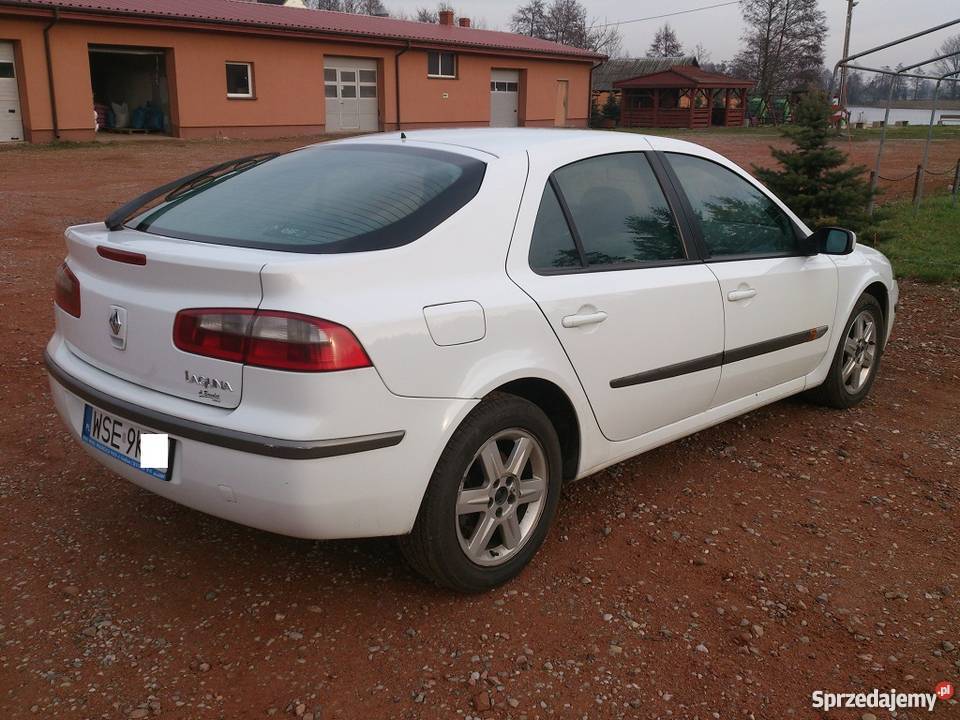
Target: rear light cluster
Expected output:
[67,290]
[269,338]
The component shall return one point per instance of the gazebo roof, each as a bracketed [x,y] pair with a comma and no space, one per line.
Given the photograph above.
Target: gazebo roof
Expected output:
[684,76]
[615,69]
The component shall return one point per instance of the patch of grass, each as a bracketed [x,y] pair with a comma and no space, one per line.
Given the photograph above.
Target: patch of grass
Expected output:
[925,246]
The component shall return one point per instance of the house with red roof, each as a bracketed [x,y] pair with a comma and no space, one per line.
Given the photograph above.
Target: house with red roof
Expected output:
[70,69]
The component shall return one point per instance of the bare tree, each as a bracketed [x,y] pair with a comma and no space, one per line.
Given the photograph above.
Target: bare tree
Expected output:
[782,46]
[665,43]
[357,7]
[950,64]
[565,21]
[530,19]
[702,55]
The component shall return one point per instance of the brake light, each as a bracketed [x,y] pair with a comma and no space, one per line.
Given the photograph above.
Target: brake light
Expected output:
[269,338]
[67,290]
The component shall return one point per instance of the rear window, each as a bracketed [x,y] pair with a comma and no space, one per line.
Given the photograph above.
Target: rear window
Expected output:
[326,199]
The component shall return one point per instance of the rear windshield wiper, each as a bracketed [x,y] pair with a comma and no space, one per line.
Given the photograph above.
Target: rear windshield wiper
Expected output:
[177,188]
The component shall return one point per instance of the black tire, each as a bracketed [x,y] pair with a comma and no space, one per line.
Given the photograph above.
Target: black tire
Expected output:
[433,548]
[833,393]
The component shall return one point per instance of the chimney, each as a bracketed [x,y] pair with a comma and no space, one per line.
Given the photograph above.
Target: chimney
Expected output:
[446,17]
[464,22]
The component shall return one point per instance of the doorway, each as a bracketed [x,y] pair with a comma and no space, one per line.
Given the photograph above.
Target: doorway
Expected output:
[351,90]
[561,109]
[11,124]
[130,90]
[504,98]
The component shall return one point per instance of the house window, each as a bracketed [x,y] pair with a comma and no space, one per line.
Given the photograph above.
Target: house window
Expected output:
[499,86]
[239,80]
[441,64]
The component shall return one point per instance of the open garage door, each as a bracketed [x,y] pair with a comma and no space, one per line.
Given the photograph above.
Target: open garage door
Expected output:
[130,91]
[11,124]
[504,98]
[351,89]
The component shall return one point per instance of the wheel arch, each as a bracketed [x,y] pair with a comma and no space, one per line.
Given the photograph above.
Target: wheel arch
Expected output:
[559,409]
[880,293]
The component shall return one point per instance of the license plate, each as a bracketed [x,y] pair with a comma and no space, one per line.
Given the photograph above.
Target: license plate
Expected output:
[118,438]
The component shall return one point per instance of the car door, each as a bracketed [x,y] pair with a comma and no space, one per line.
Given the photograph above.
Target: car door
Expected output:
[637,313]
[778,303]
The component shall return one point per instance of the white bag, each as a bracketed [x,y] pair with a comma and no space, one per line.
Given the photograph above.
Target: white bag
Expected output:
[121,115]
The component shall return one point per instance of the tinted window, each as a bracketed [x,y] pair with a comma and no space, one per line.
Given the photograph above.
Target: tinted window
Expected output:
[619,210]
[552,245]
[6,69]
[735,217]
[345,198]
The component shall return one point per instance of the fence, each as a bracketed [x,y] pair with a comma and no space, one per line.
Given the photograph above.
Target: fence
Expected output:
[922,179]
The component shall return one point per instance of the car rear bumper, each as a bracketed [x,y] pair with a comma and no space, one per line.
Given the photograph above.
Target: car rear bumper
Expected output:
[355,486]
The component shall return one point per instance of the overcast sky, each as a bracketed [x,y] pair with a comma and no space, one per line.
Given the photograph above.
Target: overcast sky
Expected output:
[874,22]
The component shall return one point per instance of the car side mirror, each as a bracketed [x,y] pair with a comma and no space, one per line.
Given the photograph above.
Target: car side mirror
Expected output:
[832,241]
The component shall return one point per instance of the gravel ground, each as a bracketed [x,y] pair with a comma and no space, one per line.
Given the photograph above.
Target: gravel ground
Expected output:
[727,575]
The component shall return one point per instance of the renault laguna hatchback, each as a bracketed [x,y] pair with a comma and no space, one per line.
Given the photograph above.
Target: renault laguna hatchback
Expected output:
[426,335]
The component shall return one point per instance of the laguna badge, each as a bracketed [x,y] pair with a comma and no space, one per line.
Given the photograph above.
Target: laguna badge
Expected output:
[210,387]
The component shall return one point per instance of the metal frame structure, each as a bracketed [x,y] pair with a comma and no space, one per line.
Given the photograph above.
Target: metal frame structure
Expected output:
[846,63]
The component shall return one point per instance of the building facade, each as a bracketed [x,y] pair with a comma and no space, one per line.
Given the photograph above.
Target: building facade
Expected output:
[209,68]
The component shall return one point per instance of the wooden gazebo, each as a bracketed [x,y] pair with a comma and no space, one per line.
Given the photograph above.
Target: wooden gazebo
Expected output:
[683,96]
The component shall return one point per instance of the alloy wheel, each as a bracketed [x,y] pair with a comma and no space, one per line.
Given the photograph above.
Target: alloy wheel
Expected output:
[502,496]
[859,352]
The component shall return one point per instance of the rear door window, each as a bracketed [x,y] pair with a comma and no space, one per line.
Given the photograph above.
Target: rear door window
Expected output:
[324,199]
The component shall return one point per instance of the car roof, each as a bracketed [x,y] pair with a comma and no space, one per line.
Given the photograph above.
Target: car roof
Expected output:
[505,142]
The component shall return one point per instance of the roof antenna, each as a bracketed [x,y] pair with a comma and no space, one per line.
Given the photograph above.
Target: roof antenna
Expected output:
[403,136]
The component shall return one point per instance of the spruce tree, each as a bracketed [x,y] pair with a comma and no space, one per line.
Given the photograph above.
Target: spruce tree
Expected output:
[813,178]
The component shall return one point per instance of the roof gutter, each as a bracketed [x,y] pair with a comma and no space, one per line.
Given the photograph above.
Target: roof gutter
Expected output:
[50,86]
[590,89]
[396,77]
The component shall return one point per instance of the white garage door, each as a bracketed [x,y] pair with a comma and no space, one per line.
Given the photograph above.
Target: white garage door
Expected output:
[350,85]
[11,126]
[504,98]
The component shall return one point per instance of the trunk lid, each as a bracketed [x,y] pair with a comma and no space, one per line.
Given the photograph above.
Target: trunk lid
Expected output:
[143,300]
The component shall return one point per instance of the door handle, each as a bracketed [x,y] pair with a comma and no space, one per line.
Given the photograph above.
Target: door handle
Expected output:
[579,320]
[741,294]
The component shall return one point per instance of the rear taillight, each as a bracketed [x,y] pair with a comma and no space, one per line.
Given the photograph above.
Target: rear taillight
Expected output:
[67,290]
[269,338]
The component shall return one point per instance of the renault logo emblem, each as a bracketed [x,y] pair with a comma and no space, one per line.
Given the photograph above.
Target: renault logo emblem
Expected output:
[115,324]
[117,320]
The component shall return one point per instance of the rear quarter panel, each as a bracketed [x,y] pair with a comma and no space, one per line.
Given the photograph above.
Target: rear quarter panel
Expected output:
[381,297]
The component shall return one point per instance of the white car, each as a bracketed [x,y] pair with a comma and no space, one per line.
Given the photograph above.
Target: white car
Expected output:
[426,335]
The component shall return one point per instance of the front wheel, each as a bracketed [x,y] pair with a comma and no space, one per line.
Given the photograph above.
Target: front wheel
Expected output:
[491,499]
[857,359]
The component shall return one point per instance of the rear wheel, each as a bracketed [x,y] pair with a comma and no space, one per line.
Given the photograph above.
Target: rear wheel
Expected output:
[857,359]
[491,499]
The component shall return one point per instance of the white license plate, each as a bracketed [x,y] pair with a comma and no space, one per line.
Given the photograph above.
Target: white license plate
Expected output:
[116,437]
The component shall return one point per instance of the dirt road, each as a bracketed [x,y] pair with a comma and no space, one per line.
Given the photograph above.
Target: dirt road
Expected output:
[728,575]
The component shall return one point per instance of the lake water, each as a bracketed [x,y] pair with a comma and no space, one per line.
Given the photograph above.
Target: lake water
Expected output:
[914,117]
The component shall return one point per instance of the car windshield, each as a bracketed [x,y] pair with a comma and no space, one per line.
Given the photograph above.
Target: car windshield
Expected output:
[324,199]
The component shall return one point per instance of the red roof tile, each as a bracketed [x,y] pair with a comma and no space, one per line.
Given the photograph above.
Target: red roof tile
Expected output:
[683,76]
[254,14]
